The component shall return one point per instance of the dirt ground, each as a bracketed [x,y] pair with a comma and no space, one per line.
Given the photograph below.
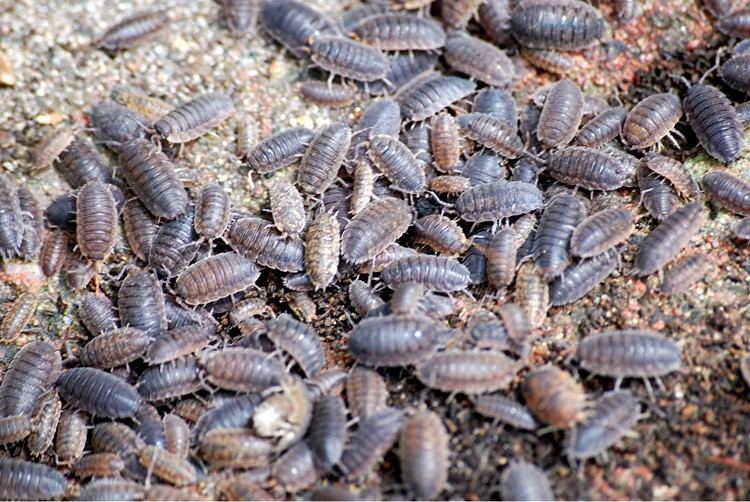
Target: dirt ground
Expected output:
[694,442]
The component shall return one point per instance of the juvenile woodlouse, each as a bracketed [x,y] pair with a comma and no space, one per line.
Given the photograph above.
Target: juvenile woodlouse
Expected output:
[423,454]
[524,481]
[70,440]
[327,435]
[216,277]
[675,172]
[323,158]
[18,315]
[479,60]
[235,448]
[651,119]
[581,277]
[279,150]
[657,196]
[98,392]
[52,254]
[715,122]
[549,60]
[436,273]
[348,58]
[52,145]
[328,94]
[554,397]
[498,200]
[374,228]
[140,303]
[397,163]
[446,146]
[561,115]
[506,410]
[22,480]
[428,93]
[601,231]
[115,348]
[195,118]
[375,436]
[728,191]
[178,342]
[292,23]
[140,228]
[466,372]
[393,31]
[450,184]
[96,221]
[132,31]
[255,240]
[242,370]
[587,168]
[322,249]
[150,107]
[669,238]
[44,424]
[212,211]
[602,129]
[556,24]
[30,374]
[442,234]
[403,67]
[492,133]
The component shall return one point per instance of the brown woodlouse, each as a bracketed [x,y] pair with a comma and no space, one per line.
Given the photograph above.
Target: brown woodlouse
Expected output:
[457,13]
[428,93]
[450,184]
[715,122]
[98,465]
[554,397]
[132,31]
[140,303]
[52,145]
[479,59]
[657,196]
[11,217]
[396,340]
[602,129]
[442,234]
[242,370]
[300,341]
[195,118]
[362,186]
[22,480]
[176,435]
[30,374]
[96,221]
[18,315]
[629,353]
[376,227]
[397,163]
[322,249]
[467,372]
[327,435]
[115,348]
[492,133]
[52,254]
[423,454]
[548,60]
[532,292]
[366,393]
[13,429]
[348,58]
[151,176]
[216,277]
[686,271]
[728,191]
[394,31]
[178,342]
[374,437]
[78,272]
[445,142]
[152,108]
[167,466]
[212,211]
[587,168]
[505,410]
[328,94]
[435,273]
[254,239]
[602,231]
[323,158]
[113,437]
[651,120]
[70,440]
[580,278]
[561,115]
[292,23]
[556,226]
[44,424]
[524,481]
[112,489]
[235,448]
[556,24]
[98,392]
[669,238]
[498,200]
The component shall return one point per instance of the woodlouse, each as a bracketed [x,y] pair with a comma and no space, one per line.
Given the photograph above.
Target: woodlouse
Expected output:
[169,380]
[734,72]
[178,342]
[11,217]
[323,158]
[51,146]
[152,108]
[602,231]
[322,249]
[505,410]
[423,454]
[586,168]
[279,150]
[561,115]
[80,163]
[524,481]
[216,277]
[116,125]
[556,226]
[397,163]
[348,58]
[393,31]
[22,480]
[457,13]
[479,59]
[30,374]
[549,60]
[230,413]
[78,272]
[235,448]
[373,229]
[151,176]
[362,186]
[669,238]
[498,200]
[112,489]
[195,118]
[363,298]
[327,435]
[52,254]
[366,393]
[175,245]
[96,221]
[254,239]
[167,466]
[467,372]
[44,424]
[553,396]
[435,273]
[580,278]
[212,211]
[140,228]
[484,167]
[556,24]
[742,229]
[115,348]
[657,196]
[445,142]
[98,392]
[684,273]
[98,465]
[491,133]
[498,103]
[132,31]
[494,18]
[602,129]
[14,429]
[284,416]
[375,436]
[287,208]
[292,23]
[728,191]
[18,315]
[450,184]
[442,234]
[715,122]
[70,440]
[242,370]
[402,69]
[295,469]
[300,341]
[140,303]
[735,23]
[651,119]
[428,93]
[32,222]
[328,94]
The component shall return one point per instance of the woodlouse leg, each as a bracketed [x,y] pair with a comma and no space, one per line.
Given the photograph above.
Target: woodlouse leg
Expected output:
[618,382]
[650,389]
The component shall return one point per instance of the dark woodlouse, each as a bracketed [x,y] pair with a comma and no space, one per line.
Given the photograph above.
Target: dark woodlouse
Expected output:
[466,372]
[70,440]
[169,380]
[96,221]
[498,200]
[435,273]
[292,23]
[78,272]
[22,480]
[116,125]
[602,129]
[348,58]
[734,72]
[328,94]
[397,163]
[212,211]
[561,115]
[18,315]
[178,342]
[98,392]
[651,119]
[327,435]
[80,163]
[295,469]
[14,429]
[684,273]
[657,195]
[374,228]
[428,93]
[602,231]
[300,341]
[216,277]
[492,133]
[728,191]
[669,238]
[195,118]
[394,31]
[556,226]
[715,122]
[230,413]
[674,172]
[140,303]
[112,489]
[149,426]
[580,278]
[52,254]
[505,410]
[279,150]
[549,60]
[115,348]
[417,138]
[363,298]
[494,18]
[132,31]
[151,176]
[375,436]
[242,370]
[524,481]
[556,24]
[113,437]
[735,23]
[30,374]
[423,454]
[554,396]
[323,158]
[322,249]
[586,168]
[254,239]
[167,466]
[396,340]
[484,167]
[742,229]
[442,234]
[479,59]
[402,69]
[498,103]
[175,245]
[140,228]
[44,424]
[445,142]
[11,217]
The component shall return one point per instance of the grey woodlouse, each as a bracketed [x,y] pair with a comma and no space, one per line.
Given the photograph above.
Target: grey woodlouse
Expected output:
[498,200]
[151,176]
[348,58]
[554,396]
[169,380]
[375,436]
[549,60]
[435,273]
[556,226]
[116,125]
[323,158]
[242,370]
[715,122]
[52,254]
[561,115]
[602,129]
[287,208]
[479,59]
[115,348]
[195,118]
[363,298]
[684,273]
[556,24]
[80,163]
[11,217]
[178,342]
[657,196]
[328,94]
[70,440]
[362,186]
[382,116]
[494,18]
[98,465]
[175,245]
[675,172]
[524,481]
[466,372]
[30,374]
[140,303]
[602,231]
[33,224]
[14,429]
[423,454]
[735,23]
[132,31]
[167,466]
[329,382]
[327,434]
[669,238]
[279,150]
[216,277]
[112,489]
[22,480]
[96,221]
[292,23]
[212,211]
[586,168]
[396,340]
[498,103]
[300,341]
[322,249]
[492,133]
[394,31]
[581,277]
[140,228]
[98,392]
[629,353]
[234,412]
[374,228]
[611,417]
[252,238]
[734,72]
[397,163]
[728,191]
[442,234]
[428,93]
[149,426]
[295,469]
[44,424]
[505,410]
[113,437]
[402,69]
[484,167]
[18,315]
[651,120]
[445,142]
